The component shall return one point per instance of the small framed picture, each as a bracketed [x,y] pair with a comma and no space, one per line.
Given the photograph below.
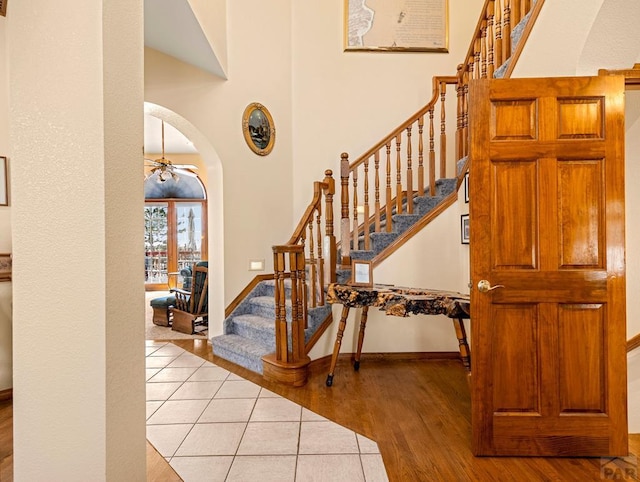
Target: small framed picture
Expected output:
[464,229]
[5,267]
[258,129]
[466,187]
[361,273]
[4,182]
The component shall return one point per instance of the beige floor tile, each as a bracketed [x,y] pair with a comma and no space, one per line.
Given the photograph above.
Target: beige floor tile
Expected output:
[373,467]
[233,376]
[161,391]
[209,373]
[158,361]
[150,372]
[276,410]
[173,374]
[309,416]
[270,438]
[178,411]
[187,360]
[196,391]
[264,393]
[148,350]
[167,438]
[367,446]
[228,410]
[329,468]
[238,389]
[326,438]
[152,407]
[199,469]
[169,350]
[212,439]
[271,468]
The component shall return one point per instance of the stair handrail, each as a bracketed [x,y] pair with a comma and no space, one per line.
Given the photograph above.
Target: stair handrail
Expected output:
[490,48]
[401,162]
[308,271]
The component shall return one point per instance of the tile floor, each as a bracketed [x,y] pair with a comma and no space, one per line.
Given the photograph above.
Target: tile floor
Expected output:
[212,425]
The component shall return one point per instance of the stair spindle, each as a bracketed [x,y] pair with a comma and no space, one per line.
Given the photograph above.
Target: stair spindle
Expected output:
[356,230]
[345,230]
[432,155]
[376,161]
[506,31]
[389,199]
[498,33]
[367,239]
[420,156]
[483,48]
[443,131]
[490,39]
[409,174]
[399,197]
[331,254]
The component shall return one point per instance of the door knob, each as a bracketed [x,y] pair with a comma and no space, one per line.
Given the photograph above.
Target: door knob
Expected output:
[484,286]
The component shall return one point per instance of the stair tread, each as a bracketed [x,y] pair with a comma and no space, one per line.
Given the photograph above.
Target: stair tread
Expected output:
[252,318]
[267,301]
[240,344]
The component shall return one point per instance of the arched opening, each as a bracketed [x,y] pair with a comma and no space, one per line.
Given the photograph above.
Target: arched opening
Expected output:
[210,174]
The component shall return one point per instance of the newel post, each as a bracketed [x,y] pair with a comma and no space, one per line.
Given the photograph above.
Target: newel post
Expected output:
[288,365]
[331,252]
[345,230]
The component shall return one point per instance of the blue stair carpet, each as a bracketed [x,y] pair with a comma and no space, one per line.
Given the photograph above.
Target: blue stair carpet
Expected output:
[249,331]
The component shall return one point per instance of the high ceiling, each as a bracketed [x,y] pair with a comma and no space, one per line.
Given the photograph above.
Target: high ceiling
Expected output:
[171,27]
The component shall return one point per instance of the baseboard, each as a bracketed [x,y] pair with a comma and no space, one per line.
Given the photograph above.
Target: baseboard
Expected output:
[6,394]
[633,343]
[394,357]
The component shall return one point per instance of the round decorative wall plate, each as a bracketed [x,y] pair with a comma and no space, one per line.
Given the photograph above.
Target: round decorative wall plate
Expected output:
[258,129]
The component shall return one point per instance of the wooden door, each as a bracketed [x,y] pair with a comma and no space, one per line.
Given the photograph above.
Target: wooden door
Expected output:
[547,234]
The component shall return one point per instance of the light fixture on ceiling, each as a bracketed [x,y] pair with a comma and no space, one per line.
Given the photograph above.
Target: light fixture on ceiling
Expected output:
[165,169]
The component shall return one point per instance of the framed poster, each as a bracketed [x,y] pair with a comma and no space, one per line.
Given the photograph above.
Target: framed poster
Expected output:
[396,25]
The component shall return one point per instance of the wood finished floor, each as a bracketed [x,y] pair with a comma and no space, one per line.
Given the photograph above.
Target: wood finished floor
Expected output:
[417,411]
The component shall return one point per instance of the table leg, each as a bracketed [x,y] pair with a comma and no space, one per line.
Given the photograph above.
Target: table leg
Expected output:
[461,334]
[363,324]
[336,346]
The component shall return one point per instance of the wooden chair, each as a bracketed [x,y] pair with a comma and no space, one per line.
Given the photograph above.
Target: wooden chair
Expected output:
[191,308]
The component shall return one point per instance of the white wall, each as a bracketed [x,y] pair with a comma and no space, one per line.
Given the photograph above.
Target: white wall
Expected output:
[434,258]
[348,101]
[257,199]
[76,122]
[6,362]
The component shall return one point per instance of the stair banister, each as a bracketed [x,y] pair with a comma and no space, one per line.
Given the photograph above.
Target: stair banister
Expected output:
[490,50]
[403,182]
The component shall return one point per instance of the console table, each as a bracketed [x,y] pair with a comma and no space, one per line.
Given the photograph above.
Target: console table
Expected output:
[397,301]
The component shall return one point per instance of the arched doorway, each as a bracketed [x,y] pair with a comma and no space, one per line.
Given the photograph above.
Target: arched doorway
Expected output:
[211,176]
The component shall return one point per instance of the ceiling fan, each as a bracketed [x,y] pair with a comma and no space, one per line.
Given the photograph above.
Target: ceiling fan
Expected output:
[165,169]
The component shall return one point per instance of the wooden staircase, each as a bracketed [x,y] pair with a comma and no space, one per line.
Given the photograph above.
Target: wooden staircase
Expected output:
[387,195]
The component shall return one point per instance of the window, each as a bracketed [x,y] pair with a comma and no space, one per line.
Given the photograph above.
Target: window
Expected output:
[175,229]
